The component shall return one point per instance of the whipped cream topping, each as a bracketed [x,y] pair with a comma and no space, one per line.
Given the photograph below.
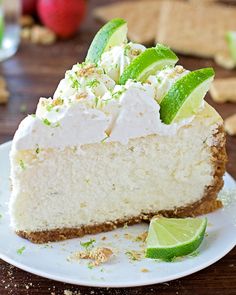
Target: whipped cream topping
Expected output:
[164,79]
[118,58]
[128,111]
[89,107]
[76,126]
[139,114]
[84,80]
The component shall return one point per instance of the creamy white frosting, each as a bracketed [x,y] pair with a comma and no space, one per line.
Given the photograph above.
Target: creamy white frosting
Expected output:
[83,80]
[129,111]
[88,107]
[77,126]
[118,58]
[164,79]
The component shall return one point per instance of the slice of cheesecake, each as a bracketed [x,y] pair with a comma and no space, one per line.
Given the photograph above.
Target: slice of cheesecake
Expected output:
[98,155]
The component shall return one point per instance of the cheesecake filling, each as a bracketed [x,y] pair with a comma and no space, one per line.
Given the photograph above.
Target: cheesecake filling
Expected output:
[125,180]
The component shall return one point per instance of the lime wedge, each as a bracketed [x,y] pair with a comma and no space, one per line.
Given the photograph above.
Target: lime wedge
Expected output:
[111,34]
[173,237]
[185,95]
[231,41]
[148,62]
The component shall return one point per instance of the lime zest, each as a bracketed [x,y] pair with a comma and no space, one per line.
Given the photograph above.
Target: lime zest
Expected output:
[185,96]
[20,250]
[87,244]
[111,34]
[148,62]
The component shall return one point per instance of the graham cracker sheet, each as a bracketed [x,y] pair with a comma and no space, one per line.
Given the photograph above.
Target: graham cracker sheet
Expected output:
[194,29]
[141,16]
[223,90]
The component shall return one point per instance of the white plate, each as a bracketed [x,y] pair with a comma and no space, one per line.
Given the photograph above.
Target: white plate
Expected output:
[51,262]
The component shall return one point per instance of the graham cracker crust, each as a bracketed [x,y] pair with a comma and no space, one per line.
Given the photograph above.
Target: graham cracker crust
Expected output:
[207,204]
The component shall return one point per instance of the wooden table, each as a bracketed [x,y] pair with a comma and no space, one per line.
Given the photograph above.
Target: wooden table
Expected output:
[35,71]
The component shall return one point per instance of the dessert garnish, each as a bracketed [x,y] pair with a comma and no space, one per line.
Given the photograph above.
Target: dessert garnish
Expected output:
[173,237]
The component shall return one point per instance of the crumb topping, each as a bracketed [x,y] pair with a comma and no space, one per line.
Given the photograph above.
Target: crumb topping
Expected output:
[87,70]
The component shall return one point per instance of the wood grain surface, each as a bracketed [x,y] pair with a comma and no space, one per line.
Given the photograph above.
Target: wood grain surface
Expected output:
[35,71]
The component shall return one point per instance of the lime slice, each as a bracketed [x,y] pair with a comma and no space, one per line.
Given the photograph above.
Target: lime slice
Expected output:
[148,62]
[173,237]
[185,95]
[111,34]
[231,41]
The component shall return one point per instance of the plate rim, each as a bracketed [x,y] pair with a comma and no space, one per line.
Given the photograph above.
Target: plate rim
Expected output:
[82,282]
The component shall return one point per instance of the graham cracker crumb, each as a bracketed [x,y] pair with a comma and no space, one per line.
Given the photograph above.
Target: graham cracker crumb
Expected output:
[144,270]
[135,255]
[86,71]
[82,95]
[98,255]
[57,102]
[179,69]
[141,237]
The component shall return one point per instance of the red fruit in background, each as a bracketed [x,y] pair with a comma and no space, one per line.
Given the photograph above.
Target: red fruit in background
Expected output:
[29,6]
[61,16]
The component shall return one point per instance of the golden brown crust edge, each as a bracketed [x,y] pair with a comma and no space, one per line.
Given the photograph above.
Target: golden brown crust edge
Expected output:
[207,204]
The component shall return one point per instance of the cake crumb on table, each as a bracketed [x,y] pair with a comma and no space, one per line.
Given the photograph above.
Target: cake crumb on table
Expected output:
[98,255]
[68,292]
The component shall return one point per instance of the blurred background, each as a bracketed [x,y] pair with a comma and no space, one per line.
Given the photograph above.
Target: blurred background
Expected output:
[41,39]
